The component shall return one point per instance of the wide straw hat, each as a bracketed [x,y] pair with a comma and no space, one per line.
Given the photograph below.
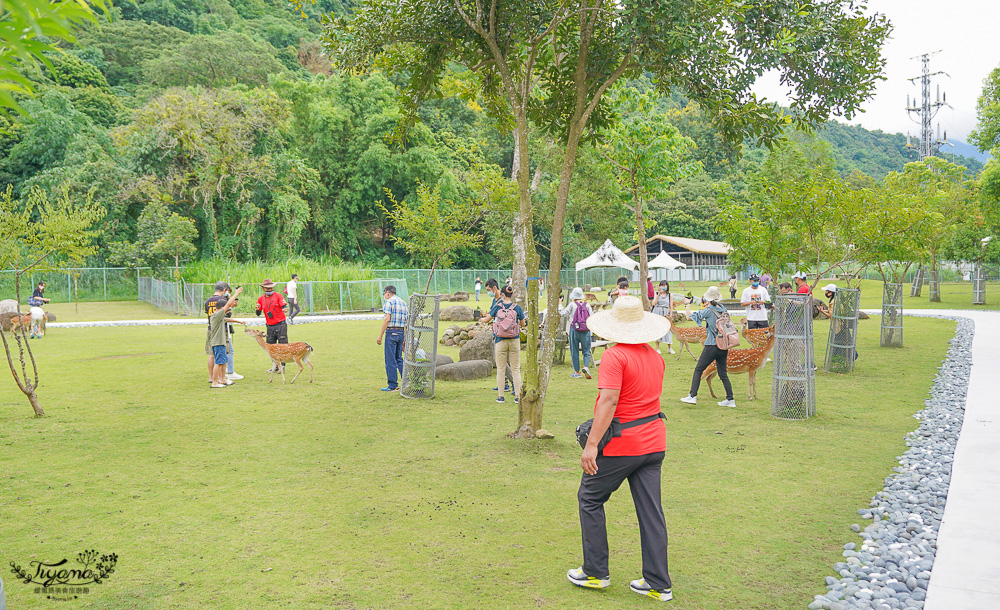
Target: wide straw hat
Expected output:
[267,284]
[713,294]
[829,288]
[576,293]
[628,322]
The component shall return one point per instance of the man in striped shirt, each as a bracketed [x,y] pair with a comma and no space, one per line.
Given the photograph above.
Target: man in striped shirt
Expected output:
[393,326]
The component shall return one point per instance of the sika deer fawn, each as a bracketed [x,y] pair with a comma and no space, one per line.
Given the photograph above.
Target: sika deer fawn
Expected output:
[747,361]
[285,352]
[687,336]
[757,337]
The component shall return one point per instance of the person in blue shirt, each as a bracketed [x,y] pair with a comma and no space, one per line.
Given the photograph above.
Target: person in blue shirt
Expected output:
[508,320]
[710,315]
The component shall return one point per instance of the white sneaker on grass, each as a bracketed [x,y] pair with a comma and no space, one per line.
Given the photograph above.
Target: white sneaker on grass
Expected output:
[691,400]
[671,351]
[640,587]
[580,579]
[234,376]
[727,403]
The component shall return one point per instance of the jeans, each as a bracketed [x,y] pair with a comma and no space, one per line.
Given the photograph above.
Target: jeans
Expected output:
[393,356]
[708,354]
[643,475]
[229,360]
[477,295]
[508,352]
[579,342]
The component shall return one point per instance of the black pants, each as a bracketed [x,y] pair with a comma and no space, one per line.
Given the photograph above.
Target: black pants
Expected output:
[751,324]
[732,293]
[277,333]
[293,309]
[708,354]
[643,475]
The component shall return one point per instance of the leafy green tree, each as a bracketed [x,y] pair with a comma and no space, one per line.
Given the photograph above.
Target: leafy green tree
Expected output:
[218,60]
[126,45]
[33,231]
[162,235]
[986,135]
[647,154]
[553,61]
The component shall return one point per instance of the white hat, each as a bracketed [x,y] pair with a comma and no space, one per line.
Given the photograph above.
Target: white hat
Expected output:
[713,294]
[628,322]
[799,275]
[829,288]
[576,293]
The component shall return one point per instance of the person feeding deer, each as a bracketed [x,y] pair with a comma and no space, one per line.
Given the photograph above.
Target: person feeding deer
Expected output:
[720,336]
[273,305]
[218,339]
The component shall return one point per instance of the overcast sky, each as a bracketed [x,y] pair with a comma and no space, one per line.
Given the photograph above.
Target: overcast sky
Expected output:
[967,32]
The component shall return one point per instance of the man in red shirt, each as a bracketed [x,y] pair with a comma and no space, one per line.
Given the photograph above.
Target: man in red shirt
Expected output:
[802,287]
[272,304]
[630,380]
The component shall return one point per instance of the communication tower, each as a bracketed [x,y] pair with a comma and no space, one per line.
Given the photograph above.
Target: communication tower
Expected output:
[926,111]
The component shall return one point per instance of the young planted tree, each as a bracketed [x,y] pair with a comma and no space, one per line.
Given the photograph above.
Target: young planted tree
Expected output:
[547,64]
[34,231]
[647,154]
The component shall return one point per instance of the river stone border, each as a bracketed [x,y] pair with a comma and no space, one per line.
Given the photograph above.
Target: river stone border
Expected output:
[892,568]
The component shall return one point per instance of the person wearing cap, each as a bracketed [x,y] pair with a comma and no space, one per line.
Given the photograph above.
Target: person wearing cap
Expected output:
[711,352]
[217,300]
[273,305]
[629,381]
[219,340]
[826,309]
[292,290]
[231,373]
[802,287]
[579,338]
[754,297]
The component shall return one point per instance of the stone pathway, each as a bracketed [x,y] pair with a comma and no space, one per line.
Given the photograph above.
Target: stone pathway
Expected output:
[966,573]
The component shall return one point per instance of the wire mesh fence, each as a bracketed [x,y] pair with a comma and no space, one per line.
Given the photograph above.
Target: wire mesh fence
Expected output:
[87,284]
[918,282]
[313,297]
[842,343]
[892,316]
[934,285]
[420,347]
[793,389]
[979,286]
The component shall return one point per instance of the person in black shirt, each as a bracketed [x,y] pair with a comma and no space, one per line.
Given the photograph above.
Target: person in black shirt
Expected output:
[38,296]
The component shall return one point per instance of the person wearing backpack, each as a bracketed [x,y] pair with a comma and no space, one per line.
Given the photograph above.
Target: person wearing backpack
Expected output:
[712,315]
[508,320]
[577,313]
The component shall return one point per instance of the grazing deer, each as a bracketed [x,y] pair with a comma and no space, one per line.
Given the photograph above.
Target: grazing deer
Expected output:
[747,361]
[590,298]
[17,321]
[757,337]
[689,335]
[285,352]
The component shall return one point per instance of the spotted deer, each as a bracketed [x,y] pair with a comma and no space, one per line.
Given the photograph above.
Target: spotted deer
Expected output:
[284,352]
[687,336]
[747,361]
[757,337]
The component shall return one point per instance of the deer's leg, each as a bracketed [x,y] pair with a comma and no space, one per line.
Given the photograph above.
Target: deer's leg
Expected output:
[310,369]
[282,371]
[298,361]
[708,378]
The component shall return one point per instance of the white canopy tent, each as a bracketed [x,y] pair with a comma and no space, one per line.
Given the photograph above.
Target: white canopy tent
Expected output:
[665,261]
[608,255]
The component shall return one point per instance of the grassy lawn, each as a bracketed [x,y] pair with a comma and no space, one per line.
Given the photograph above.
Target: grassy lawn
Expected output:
[337,495]
[111,310]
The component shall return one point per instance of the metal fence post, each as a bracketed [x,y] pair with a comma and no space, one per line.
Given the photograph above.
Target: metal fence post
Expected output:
[105,284]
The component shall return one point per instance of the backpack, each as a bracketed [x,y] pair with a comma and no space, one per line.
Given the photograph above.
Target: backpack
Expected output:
[505,324]
[580,316]
[726,335]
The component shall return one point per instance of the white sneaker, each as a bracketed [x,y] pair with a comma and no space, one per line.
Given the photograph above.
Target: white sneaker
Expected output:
[234,376]
[671,351]
[727,403]
[691,400]
[580,579]
[230,382]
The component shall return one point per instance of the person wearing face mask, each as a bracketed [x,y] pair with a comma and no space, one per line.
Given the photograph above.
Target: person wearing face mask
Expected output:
[273,305]
[754,297]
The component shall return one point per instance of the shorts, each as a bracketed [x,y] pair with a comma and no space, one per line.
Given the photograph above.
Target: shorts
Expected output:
[219,351]
[277,333]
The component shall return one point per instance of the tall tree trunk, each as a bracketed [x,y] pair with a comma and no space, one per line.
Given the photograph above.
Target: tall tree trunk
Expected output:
[643,251]
[522,226]
[935,284]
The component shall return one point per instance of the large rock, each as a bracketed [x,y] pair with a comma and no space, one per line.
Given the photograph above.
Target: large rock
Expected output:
[463,371]
[50,317]
[479,347]
[461,296]
[443,360]
[8,306]
[5,320]
[456,313]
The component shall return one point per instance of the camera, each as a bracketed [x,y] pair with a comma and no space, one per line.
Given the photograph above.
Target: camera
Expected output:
[269,315]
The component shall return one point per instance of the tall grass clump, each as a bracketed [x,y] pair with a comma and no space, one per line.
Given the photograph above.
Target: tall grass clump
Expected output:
[253,272]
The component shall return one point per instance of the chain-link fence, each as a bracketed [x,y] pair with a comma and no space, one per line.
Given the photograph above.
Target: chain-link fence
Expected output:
[313,297]
[793,389]
[979,285]
[420,347]
[87,284]
[892,316]
[842,343]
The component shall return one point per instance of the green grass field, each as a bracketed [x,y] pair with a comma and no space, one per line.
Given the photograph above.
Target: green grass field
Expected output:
[337,495]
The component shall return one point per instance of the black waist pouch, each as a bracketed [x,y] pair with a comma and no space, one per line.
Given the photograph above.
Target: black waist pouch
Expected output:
[613,431]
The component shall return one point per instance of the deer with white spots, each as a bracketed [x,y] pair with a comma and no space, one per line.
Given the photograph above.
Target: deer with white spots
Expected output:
[756,337]
[284,352]
[747,361]
[687,336]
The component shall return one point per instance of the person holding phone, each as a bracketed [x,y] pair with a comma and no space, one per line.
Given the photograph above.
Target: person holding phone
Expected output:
[273,305]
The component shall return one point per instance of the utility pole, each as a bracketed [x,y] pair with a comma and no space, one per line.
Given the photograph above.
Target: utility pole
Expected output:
[927,110]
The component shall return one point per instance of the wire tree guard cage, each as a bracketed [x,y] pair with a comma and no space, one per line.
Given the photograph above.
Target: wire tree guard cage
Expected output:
[420,346]
[918,282]
[842,344]
[892,316]
[979,285]
[793,389]
[935,285]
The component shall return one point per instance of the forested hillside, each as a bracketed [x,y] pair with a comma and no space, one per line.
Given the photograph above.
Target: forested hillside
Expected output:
[229,114]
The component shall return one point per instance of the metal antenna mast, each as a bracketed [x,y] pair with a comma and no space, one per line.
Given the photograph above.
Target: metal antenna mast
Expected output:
[927,110]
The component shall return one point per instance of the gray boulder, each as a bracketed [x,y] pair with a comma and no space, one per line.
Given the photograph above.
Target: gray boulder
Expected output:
[8,306]
[50,317]
[461,296]
[456,313]
[464,371]
[479,347]
[442,360]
